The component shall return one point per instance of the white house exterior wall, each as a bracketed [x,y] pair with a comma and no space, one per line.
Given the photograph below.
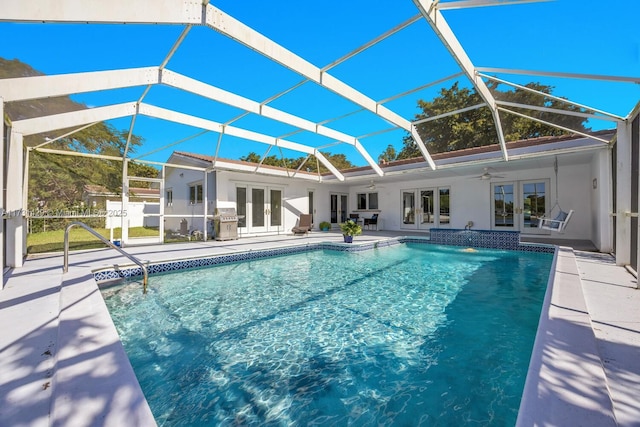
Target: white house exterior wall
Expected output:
[471,198]
[601,202]
[178,181]
[294,195]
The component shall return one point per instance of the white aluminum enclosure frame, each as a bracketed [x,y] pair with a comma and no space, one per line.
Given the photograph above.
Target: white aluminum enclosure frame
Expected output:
[200,13]
[195,13]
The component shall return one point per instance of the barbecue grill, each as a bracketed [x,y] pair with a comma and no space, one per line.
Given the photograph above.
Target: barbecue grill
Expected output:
[225,224]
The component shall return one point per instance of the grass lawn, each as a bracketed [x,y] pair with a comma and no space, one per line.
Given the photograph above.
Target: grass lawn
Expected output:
[53,241]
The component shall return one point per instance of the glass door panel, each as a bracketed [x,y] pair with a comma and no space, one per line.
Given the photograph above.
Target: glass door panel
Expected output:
[408,208]
[275,208]
[444,215]
[503,206]
[427,217]
[518,205]
[343,207]
[534,205]
[241,206]
[334,208]
[339,208]
[257,208]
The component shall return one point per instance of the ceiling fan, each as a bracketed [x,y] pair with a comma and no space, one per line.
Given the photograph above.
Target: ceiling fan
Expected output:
[371,186]
[487,176]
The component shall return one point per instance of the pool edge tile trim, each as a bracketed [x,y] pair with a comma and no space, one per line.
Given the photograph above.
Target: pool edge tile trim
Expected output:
[487,239]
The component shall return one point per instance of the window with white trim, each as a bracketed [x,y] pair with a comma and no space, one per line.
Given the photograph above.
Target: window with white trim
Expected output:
[367,201]
[169,197]
[195,194]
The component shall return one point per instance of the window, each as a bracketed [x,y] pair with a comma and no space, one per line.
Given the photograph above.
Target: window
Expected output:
[169,198]
[367,201]
[373,200]
[362,201]
[195,194]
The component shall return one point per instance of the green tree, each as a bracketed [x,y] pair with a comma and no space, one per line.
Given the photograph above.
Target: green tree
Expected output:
[251,157]
[388,155]
[340,161]
[476,127]
[57,181]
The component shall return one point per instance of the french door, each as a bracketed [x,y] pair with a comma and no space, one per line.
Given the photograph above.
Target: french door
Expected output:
[261,208]
[339,207]
[425,208]
[517,205]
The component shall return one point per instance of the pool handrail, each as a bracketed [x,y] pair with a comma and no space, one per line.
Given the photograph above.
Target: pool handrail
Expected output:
[65,268]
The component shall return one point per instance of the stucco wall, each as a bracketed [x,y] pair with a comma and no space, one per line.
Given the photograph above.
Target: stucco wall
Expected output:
[470,198]
[178,181]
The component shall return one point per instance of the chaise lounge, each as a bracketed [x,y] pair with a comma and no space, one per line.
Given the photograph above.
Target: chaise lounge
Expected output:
[304,224]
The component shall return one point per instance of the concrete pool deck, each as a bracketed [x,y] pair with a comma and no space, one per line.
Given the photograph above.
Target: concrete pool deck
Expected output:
[62,364]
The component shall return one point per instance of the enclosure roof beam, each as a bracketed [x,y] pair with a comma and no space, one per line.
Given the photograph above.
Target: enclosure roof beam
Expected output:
[74,118]
[465,4]
[221,164]
[36,87]
[622,79]
[559,111]
[557,98]
[236,30]
[429,9]
[423,148]
[25,88]
[113,11]
[82,117]
[545,122]
[173,116]
[191,13]
[188,84]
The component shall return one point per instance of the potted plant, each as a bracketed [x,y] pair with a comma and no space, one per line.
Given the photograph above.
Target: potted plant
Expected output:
[325,226]
[349,229]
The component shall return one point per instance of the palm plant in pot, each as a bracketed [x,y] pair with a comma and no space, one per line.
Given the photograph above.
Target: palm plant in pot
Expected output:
[325,226]
[349,229]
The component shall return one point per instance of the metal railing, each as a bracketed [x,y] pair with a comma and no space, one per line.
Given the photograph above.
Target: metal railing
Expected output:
[109,243]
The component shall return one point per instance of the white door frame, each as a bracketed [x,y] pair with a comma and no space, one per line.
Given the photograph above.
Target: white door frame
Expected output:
[265,211]
[417,216]
[342,207]
[516,214]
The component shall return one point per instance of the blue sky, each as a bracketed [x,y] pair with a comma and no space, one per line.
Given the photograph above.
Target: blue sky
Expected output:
[569,36]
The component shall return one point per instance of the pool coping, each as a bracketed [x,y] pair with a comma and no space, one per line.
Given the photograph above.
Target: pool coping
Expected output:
[566,382]
[81,385]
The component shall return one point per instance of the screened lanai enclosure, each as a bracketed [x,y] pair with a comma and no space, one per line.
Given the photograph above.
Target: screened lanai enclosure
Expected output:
[423,113]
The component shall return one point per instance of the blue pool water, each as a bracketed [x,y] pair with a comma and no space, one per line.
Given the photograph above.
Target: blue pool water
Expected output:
[409,335]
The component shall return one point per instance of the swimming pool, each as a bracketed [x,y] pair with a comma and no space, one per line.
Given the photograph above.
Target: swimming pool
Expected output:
[406,335]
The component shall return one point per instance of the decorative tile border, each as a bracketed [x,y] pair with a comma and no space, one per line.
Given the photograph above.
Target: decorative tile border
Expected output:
[163,267]
[476,238]
[488,239]
[509,240]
